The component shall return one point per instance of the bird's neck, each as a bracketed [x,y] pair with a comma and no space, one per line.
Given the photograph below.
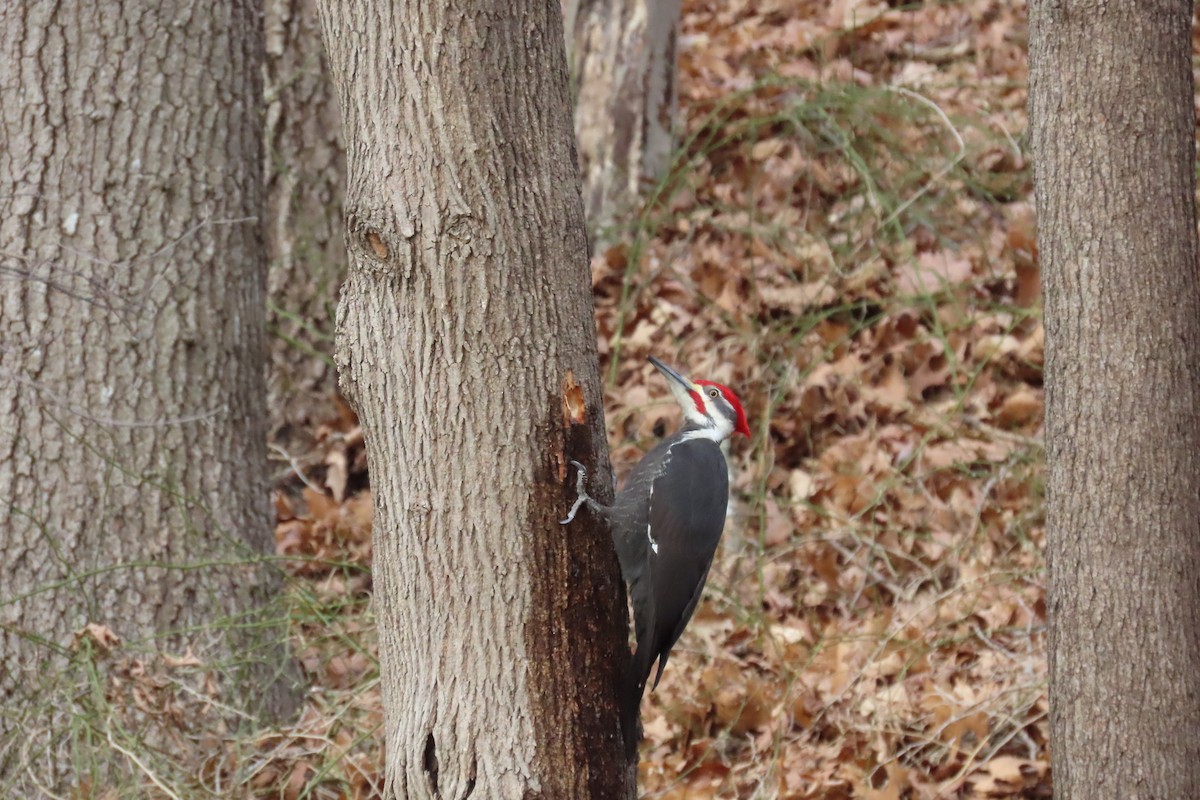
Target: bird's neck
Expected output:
[690,432]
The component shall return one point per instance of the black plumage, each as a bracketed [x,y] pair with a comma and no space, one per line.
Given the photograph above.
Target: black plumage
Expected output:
[682,512]
[666,523]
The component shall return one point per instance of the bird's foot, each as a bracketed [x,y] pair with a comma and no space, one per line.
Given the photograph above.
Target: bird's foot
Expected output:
[581,491]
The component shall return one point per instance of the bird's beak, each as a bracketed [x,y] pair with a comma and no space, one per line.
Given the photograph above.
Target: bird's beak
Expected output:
[680,386]
[673,375]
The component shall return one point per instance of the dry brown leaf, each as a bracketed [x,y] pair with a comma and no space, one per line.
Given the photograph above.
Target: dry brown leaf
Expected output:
[188,659]
[1019,408]
[1008,769]
[857,14]
[284,510]
[823,560]
[296,781]
[337,474]
[100,636]
[933,272]
[801,485]
[996,346]
[766,148]
[320,506]
[889,390]
[779,528]
[895,781]
[798,298]
[358,514]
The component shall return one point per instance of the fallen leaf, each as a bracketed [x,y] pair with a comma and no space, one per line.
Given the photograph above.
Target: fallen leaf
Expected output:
[188,659]
[932,272]
[296,781]
[337,474]
[1019,408]
[99,636]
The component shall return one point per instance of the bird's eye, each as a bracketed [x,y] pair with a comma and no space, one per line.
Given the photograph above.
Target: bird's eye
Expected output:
[713,393]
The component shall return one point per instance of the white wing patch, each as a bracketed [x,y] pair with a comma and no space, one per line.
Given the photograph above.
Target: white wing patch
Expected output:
[649,533]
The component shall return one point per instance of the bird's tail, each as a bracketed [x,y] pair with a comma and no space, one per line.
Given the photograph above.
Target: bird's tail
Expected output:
[631,707]
[639,666]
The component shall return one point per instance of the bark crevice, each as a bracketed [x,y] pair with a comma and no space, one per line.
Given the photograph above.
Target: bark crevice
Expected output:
[430,762]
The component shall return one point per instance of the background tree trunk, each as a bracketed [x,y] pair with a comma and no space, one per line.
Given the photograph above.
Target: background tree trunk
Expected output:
[623,81]
[132,413]
[466,309]
[306,166]
[1113,133]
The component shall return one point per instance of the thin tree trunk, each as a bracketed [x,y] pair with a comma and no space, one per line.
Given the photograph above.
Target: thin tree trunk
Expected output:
[623,57]
[132,414]
[1113,133]
[466,311]
[306,168]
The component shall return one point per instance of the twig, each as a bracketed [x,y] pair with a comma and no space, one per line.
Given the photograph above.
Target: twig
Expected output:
[941,173]
[140,765]
[296,468]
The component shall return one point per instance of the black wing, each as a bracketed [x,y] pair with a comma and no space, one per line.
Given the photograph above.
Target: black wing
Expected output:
[683,535]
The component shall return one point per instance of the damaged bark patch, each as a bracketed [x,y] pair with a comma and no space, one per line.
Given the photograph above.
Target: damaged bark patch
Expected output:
[375,241]
[576,641]
[574,405]
[430,763]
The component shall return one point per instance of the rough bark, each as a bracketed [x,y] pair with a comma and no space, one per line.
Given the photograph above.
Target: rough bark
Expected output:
[305,166]
[132,413]
[623,81]
[466,307]
[1113,134]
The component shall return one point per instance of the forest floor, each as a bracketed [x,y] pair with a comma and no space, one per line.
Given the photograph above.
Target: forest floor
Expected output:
[847,240]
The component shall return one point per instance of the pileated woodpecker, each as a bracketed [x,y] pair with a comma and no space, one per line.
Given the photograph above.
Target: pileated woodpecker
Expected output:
[666,524]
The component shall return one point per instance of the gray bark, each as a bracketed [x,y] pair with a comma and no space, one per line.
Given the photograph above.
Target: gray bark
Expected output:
[132,413]
[467,303]
[623,67]
[1111,112]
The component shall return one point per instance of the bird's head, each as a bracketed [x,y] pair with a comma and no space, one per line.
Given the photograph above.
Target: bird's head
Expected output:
[707,406]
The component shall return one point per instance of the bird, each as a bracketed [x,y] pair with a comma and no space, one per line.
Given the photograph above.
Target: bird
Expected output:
[666,523]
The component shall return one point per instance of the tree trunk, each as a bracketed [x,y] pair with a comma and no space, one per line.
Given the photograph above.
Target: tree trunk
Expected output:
[1113,133]
[623,81]
[466,311]
[305,184]
[132,413]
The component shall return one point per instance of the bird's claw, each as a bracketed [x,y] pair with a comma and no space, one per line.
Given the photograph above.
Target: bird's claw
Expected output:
[581,493]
